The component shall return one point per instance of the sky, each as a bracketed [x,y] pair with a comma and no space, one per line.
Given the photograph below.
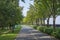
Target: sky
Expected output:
[26,6]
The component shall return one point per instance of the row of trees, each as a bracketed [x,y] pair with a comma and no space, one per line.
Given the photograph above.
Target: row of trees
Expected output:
[41,10]
[10,13]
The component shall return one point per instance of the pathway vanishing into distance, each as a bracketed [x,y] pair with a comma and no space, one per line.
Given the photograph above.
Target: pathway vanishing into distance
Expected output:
[28,33]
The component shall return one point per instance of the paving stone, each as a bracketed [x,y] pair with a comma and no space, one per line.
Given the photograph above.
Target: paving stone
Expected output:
[28,33]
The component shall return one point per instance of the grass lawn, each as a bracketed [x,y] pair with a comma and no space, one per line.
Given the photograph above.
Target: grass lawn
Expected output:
[9,35]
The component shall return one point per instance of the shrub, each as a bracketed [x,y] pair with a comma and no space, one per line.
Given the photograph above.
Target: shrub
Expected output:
[41,29]
[49,30]
[56,33]
[35,27]
[38,28]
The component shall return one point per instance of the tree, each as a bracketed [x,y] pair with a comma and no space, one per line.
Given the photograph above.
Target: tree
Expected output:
[10,13]
[45,9]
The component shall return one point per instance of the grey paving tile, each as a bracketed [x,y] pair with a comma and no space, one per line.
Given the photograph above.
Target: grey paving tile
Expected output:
[28,33]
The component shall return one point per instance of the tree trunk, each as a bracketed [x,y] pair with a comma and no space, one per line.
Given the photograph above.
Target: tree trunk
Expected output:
[38,21]
[54,21]
[32,22]
[41,21]
[54,12]
[48,22]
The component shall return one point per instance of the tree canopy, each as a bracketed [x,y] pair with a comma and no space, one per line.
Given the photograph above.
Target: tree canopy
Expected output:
[10,12]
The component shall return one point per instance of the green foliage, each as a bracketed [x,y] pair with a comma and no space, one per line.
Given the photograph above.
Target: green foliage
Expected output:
[10,13]
[35,27]
[43,9]
[30,16]
[50,31]
[40,29]
[56,33]
[9,35]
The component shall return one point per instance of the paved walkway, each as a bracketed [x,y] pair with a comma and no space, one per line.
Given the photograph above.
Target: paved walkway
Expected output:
[28,33]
